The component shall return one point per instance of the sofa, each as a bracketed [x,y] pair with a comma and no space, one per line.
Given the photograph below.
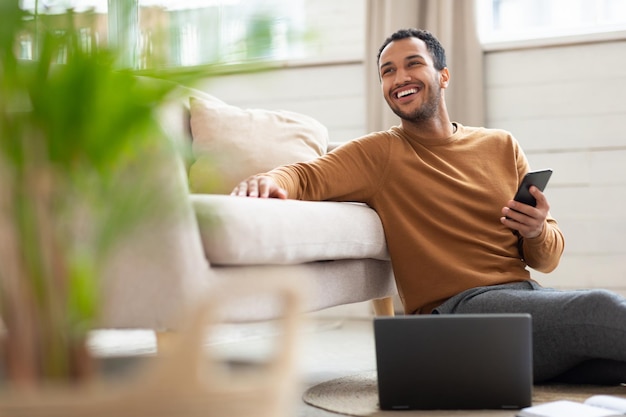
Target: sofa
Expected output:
[335,253]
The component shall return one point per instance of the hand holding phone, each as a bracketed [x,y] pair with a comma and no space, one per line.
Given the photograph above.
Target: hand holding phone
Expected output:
[537,178]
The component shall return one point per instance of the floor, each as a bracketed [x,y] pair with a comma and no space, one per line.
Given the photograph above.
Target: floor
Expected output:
[327,348]
[344,350]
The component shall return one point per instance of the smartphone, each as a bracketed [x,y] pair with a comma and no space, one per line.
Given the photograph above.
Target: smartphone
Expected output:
[537,178]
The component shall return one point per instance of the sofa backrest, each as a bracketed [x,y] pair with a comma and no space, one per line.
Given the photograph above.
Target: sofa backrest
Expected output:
[223,144]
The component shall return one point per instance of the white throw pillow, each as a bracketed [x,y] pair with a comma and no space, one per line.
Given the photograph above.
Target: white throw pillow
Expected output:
[230,143]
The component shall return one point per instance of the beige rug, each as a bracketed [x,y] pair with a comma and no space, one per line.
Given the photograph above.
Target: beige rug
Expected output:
[357,395]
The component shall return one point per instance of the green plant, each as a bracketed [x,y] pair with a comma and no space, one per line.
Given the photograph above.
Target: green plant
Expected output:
[80,151]
[81,155]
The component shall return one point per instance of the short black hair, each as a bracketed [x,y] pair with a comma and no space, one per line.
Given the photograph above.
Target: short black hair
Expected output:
[432,44]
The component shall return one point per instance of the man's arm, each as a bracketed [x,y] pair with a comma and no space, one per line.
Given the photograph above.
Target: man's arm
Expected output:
[352,172]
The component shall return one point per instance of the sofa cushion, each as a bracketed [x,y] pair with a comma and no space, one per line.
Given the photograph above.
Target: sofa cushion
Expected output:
[249,231]
[230,143]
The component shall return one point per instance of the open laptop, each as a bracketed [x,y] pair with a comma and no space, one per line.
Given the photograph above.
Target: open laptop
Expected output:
[455,361]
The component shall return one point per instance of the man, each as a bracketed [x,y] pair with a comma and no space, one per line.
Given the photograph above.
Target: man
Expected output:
[457,241]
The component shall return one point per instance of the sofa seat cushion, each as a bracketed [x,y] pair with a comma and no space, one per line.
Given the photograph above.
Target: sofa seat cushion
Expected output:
[250,231]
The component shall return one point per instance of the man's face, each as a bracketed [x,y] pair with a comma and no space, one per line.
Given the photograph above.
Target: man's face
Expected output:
[410,83]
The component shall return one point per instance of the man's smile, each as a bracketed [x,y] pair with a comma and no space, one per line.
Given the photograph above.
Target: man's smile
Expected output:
[405,92]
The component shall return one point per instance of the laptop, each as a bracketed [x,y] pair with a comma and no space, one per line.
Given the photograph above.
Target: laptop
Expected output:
[454,361]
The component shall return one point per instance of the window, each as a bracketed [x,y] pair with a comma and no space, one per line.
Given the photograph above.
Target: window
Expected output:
[177,33]
[515,20]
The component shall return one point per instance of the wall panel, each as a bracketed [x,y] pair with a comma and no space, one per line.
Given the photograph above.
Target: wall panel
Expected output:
[333,94]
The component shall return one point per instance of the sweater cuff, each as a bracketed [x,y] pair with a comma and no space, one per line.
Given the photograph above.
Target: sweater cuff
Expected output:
[539,240]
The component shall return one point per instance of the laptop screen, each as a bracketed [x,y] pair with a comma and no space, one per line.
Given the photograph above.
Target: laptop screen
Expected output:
[456,361]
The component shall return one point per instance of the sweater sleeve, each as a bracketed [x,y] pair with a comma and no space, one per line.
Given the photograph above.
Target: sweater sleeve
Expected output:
[543,252]
[349,173]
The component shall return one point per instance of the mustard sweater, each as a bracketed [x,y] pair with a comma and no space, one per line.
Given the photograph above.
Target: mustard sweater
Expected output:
[440,205]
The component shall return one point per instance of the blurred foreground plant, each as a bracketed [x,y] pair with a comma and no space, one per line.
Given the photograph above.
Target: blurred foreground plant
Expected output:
[79,156]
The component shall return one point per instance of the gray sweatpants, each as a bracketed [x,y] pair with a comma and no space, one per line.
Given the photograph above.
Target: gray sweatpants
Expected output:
[578,336]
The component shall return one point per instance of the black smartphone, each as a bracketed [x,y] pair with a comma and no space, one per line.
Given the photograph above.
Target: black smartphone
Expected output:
[537,178]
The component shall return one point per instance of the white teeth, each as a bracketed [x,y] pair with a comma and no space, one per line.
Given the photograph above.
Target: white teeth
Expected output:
[407,92]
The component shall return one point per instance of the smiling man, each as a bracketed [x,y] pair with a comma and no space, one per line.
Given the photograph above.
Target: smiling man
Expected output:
[458,242]
[432,100]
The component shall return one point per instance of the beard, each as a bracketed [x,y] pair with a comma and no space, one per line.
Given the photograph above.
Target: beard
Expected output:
[425,112]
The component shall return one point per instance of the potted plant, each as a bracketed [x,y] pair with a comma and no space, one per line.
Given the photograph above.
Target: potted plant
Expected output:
[79,151]
[80,160]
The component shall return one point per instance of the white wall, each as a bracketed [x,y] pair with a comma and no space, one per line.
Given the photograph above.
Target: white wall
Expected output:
[566,107]
[333,94]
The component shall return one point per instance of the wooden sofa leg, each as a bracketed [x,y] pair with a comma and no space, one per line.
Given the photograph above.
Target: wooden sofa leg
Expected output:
[164,339]
[383,306]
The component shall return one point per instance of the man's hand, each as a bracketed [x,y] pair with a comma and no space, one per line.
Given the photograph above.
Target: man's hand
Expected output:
[527,220]
[259,186]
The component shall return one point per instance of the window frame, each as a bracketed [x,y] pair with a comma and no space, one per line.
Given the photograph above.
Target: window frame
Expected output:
[547,38]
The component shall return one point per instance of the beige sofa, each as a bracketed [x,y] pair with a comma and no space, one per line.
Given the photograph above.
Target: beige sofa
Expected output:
[335,252]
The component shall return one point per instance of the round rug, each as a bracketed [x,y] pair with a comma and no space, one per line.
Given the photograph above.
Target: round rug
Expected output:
[357,395]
